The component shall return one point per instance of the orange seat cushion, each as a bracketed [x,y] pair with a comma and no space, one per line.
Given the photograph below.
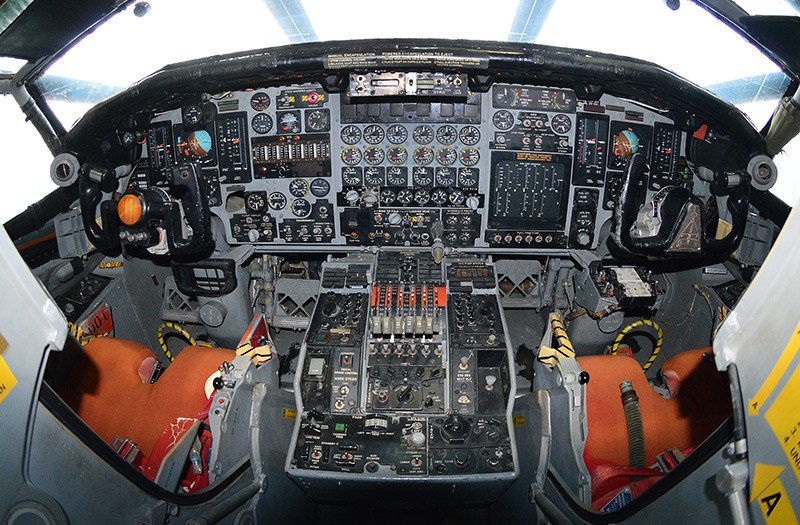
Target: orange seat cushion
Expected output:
[702,405]
[105,390]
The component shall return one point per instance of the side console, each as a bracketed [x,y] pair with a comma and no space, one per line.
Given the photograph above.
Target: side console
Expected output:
[405,378]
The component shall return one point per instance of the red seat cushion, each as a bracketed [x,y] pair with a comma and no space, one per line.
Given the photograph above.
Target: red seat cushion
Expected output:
[104,389]
[701,406]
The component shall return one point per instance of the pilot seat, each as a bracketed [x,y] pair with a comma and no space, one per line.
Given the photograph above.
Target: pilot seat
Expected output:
[699,402]
[107,391]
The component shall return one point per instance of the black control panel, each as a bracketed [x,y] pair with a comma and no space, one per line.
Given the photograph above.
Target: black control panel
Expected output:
[408,376]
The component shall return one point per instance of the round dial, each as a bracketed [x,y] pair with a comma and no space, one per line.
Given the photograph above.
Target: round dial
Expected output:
[446,155]
[405,196]
[351,176]
[468,177]
[503,120]
[446,177]
[374,176]
[289,121]
[351,155]
[457,198]
[396,176]
[387,196]
[255,201]
[422,176]
[396,134]
[423,155]
[469,156]
[298,188]
[374,134]
[506,96]
[422,197]
[320,187]
[446,134]
[351,134]
[469,135]
[277,200]
[439,196]
[423,134]
[374,155]
[562,100]
[192,115]
[261,123]
[318,120]
[561,123]
[397,154]
[301,207]
[259,101]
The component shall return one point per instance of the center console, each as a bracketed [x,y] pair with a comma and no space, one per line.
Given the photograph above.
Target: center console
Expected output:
[404,375]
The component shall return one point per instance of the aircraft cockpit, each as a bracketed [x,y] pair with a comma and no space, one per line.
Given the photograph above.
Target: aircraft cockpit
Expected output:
[393,280]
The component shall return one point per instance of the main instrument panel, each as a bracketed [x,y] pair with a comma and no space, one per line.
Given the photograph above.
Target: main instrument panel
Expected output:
[518,167]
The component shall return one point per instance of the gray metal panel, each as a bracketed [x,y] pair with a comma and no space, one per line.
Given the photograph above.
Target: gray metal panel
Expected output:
[31,325]
[759,336]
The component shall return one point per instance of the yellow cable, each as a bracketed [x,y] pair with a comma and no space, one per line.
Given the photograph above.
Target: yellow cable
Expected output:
[633,326]
[179,330]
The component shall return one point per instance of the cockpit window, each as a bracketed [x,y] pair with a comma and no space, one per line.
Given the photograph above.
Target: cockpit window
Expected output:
[688,41]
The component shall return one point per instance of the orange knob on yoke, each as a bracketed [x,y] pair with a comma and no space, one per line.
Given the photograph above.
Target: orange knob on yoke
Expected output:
[130,209]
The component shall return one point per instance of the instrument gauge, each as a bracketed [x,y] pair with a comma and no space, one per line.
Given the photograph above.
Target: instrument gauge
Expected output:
[289,121]
[192,115]
[298,188]
[277,200]
[256,201]
[351,155]
[561,124]
[405,197]
[374,134]
[396,134]
[439,196]
[446,134]
[374,155]
[387,196]
[563,100]
[469,156]
[374,176]
[469,135]
[318,120]
[351,134]
[320,187]
[468,177]
[503,120]
[352,176]
[397,154]
[422,176]
[457,198]
[259,101]
[422,197]
[506,96]
[446,155]
[261,123]
[445,177]
[301,207]
[423,134]
[397,176]
[423,155]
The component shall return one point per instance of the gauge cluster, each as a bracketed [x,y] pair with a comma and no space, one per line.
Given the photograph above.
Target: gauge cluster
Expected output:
[515,168]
